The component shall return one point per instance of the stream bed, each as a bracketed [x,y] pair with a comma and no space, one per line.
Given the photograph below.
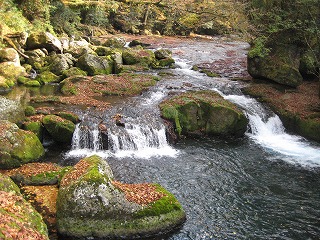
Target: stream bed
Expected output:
[265,185]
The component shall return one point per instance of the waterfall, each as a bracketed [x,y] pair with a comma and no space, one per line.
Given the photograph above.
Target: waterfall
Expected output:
[267,130]
[140,138]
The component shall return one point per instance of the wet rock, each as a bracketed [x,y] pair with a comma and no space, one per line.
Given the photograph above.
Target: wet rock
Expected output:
[204,112]
[69,116]
[60,129]
[95,65]
[17,146]
[281,65]
[44,40]
[18,217]
[91,204]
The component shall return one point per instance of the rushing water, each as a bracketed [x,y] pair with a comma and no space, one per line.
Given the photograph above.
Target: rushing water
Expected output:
[265,185]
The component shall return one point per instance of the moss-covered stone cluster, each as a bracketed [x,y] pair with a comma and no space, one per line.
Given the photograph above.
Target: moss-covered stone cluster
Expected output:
[204,112]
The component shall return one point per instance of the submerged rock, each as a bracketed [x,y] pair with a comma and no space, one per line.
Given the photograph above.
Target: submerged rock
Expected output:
[17,146]
[18,217]
[204,112]
[91,204]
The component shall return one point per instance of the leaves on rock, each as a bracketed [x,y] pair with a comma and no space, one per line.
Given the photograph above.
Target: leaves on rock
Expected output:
[142,194]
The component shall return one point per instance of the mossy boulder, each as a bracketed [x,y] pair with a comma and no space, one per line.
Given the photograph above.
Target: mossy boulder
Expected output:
[34,126]
[37,174]
[44,40]
[74,71]
[69,116]
[11,71]
[280,65]
[60,129]
[47,77]
[5,84]
[60,62]
[95,65]
[32,83]
[17,146]
[18,217]
[37,58]
[204,112]
[138,55]
[115,42]
[91,204]
[163,53]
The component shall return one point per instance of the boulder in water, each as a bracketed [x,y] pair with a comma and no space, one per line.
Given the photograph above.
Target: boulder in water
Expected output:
[204,112]
[91,204]
[17,146]
[138,55]
[60,129]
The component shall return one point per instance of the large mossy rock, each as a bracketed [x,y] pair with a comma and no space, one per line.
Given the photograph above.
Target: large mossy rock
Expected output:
[19,220]
[95,65]
[44,40]
[280,65]
[17,146]
[91,204]
[138,55]
[204,112]
[59,128]
[60,62]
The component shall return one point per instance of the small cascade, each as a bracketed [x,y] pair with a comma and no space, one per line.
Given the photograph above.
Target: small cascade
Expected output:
[139,138]
[87,137]
[267,130]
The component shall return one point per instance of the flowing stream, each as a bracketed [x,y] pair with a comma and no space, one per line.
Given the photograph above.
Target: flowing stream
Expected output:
[265,185]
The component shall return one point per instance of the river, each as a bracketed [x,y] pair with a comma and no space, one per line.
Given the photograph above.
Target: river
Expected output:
[265,185]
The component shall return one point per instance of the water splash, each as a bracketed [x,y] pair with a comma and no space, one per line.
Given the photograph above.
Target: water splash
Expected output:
[267,130]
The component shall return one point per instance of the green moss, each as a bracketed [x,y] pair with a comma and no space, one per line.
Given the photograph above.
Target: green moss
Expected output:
[164,205]
[60,129]
[74,71]
[35,127]
[204,111]
[30,147]
[29,111]
[32,83]
[47,77]
[7,185]
[69,116]
[23,80]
